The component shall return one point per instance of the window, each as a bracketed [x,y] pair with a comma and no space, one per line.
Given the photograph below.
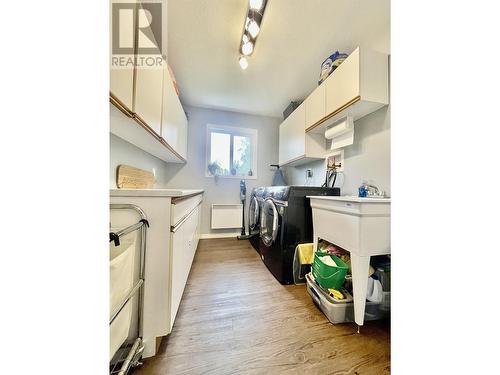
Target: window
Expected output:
[231,152]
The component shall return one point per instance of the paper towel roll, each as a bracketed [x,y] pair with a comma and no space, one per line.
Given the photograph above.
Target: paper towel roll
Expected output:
[343,126]
[341,134]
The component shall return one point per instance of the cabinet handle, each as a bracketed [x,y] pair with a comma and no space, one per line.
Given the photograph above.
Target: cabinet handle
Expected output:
[183,220]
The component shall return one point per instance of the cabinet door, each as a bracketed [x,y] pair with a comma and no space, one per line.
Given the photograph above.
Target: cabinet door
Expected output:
[191,238]
[292,136]
[174,121]
[342,85]
[148,96]
[121,75]
[284,131]
[149,80]
[315,106]
[177,282]
[184,241]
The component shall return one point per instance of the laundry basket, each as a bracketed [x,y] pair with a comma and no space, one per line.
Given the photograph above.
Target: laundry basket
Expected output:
[302,261]
[326,275]
[121,279]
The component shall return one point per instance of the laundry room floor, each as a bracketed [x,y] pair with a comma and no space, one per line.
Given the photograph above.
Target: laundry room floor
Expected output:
[235,318]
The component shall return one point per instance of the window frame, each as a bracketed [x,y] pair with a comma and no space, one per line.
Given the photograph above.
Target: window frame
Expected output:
[232,131]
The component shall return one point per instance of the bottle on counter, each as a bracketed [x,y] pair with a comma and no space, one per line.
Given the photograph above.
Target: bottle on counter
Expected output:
[363,191]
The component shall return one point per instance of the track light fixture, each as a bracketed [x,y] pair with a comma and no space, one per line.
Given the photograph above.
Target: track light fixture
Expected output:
[251,29]
[243,62]
[247,48]
[256,4]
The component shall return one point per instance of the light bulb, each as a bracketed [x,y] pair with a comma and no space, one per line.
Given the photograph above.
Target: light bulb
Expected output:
[245,38]
[247,48]
[243,62]
[253,28]
[256,4]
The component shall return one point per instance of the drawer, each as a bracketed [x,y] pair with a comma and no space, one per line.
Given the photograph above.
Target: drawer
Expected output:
[181,207]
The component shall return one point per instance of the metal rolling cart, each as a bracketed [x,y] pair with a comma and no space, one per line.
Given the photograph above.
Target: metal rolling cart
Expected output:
[129,355]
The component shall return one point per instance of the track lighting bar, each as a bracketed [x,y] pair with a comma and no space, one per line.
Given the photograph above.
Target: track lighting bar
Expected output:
[251,30]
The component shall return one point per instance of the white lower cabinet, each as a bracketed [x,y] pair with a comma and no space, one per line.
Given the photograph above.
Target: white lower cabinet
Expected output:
[184,242]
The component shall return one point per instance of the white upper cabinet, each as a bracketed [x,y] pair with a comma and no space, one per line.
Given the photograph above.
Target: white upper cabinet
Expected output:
[174,121]
[358,87]
[144,92]
[291,132]
[121,77]
[295,145]
[342,85]
[149,79]
[148,95]
[315,106]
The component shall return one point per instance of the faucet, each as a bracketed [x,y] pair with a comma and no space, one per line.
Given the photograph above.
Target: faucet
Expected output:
[374,191]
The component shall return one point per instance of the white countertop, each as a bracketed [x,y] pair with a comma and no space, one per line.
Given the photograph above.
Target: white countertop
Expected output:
[352,198]
[153,192]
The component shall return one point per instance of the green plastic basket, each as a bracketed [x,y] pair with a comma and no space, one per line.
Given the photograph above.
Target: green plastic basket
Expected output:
[329,276]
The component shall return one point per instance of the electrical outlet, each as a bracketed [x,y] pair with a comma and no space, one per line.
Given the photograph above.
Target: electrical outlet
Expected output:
[309,173]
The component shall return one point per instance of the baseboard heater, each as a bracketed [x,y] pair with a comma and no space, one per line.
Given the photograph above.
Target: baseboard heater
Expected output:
[227,216]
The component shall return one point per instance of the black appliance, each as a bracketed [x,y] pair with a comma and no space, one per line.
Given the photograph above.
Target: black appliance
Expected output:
[286,221]
[255,206]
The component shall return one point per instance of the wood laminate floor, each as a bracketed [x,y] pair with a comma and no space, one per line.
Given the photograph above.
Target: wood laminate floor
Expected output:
[235,318]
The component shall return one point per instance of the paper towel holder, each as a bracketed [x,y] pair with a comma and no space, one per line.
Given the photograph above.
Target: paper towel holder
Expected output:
[339,127]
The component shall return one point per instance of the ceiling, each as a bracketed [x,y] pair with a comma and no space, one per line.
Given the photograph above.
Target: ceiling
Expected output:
[296,37]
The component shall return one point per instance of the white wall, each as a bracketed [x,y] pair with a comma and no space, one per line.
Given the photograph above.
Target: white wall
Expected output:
[224,190]
[122,152]
[192,174]
[368,159]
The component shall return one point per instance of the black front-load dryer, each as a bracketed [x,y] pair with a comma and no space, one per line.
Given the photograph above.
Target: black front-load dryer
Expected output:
[286,221]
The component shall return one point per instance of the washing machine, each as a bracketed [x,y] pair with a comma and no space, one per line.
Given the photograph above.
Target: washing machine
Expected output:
[255,207]
[286,221]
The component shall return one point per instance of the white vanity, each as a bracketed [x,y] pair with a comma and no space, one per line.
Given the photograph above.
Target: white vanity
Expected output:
[361,226]
[172,237]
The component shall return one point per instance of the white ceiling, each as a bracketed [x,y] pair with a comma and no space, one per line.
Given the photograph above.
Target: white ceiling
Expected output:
[296,36]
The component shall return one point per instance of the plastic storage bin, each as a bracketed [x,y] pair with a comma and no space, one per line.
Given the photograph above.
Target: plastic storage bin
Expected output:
[302,261]
[341,312]
[326,275]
